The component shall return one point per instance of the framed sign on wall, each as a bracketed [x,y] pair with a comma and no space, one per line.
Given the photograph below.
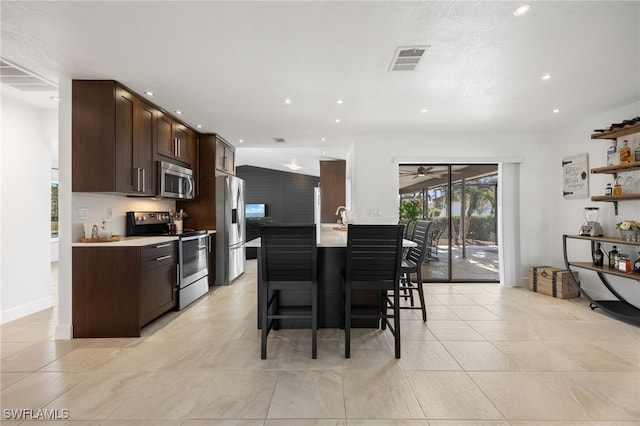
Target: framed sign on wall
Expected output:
[575,176]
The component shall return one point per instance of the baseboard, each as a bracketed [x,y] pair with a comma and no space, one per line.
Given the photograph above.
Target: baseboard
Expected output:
[21,311]
[64,332]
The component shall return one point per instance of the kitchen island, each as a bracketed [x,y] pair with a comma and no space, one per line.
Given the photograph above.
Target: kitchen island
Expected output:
[332,258]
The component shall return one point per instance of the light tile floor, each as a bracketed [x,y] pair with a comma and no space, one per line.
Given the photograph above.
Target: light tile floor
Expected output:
[487,356]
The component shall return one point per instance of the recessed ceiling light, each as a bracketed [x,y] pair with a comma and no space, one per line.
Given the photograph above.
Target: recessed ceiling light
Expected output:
[287,101]
[522,10]
[324,153]
[178,112]
[199,126]
[424,110]
[148,93]
[241,141]
[555,111]
[546,77]
[322,139]
[339,101]
[337,120]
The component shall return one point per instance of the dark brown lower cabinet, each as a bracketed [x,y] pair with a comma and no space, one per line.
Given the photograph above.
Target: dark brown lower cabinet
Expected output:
[158,282]
[117,290]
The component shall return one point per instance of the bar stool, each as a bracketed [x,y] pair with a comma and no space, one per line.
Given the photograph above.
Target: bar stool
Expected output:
[288,257]
[374,253]
[412,264]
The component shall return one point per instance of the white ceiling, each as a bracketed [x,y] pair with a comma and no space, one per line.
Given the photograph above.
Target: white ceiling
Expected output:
[230,65]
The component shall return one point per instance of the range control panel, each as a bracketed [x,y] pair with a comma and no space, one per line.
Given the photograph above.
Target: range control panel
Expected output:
[152,218]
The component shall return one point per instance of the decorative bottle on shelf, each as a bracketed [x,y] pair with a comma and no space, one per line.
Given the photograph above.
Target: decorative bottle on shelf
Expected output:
[608,190]
[625,152]
[617,188]
[612,154]
[636,264]
[613,254]
[598,256]
[621,262]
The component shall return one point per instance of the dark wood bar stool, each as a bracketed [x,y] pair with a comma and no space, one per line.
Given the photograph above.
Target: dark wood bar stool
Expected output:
[374,253]
[289,263]
[412,264]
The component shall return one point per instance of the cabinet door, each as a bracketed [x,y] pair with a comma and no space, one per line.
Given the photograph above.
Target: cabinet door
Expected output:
[225,157]
[181,136]
[144,138]
[220,162]
[166,138]
[230,159]
[158,292]
[134,144]
[191,150]
[193,159]
[158,284]
[125,119]
[93,136]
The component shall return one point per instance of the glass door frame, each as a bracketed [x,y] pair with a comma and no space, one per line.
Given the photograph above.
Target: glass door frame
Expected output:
[449,196]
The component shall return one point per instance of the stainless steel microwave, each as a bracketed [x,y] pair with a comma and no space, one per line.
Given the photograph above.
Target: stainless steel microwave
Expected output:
[175,181]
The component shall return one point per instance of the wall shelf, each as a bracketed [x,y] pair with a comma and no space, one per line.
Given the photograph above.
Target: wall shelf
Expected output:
[615,197]
[619,132]
[618,168]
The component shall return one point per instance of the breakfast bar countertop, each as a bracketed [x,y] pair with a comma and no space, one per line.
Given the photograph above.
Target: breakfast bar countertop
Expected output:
[329,237]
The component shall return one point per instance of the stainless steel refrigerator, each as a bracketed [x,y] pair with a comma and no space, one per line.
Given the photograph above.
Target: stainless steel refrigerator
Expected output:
[230,229]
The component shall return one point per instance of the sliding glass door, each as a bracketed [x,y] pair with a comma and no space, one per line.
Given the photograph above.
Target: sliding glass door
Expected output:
[461,201]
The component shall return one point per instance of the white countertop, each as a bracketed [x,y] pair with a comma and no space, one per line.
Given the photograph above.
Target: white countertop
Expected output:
[329,237]
[130,242]
[133,241]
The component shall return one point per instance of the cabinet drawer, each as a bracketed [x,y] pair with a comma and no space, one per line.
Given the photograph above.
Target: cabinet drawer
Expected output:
[160,254]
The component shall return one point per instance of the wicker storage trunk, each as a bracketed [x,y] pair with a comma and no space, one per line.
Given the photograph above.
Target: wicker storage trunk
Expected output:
[552,281]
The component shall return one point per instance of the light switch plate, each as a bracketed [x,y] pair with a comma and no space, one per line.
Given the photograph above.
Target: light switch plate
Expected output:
[82,213]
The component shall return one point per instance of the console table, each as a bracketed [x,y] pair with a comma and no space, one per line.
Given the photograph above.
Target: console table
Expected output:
[619,307]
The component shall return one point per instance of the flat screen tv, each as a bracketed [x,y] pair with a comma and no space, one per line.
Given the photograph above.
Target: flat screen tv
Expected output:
[253,211]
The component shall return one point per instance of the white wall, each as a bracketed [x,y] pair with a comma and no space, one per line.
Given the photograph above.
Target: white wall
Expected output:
[375,176]
[544,214]
[25,257]
[567,215]
[99,203]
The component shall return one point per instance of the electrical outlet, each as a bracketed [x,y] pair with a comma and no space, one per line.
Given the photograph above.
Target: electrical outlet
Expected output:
[109,213]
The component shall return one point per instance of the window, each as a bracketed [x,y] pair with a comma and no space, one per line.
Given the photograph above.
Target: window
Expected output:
[54,209]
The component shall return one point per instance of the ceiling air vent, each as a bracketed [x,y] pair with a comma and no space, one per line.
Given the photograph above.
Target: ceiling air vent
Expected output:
[19,78]
[279,140]
[407,58]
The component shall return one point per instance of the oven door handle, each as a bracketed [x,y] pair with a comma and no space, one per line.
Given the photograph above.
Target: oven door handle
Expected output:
[202,247]
[195,237]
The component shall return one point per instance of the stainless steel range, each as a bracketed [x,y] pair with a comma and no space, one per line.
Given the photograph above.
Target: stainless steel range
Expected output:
[193,253]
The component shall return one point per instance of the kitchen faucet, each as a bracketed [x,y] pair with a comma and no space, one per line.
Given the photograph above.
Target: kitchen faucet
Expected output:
[342,212]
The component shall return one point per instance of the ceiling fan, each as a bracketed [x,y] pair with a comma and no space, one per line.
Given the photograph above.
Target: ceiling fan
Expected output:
[421,171]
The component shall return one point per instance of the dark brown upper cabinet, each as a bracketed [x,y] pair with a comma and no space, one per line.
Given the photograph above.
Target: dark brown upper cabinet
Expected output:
[113,133]
[225,157]
[176,141]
